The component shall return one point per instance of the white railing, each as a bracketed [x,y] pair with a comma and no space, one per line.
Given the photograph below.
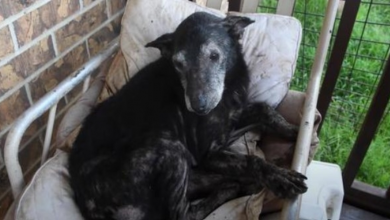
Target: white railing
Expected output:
[291,208]
[49,101]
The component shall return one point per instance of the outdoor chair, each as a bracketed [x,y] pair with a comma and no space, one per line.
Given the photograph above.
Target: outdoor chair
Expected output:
[270,47]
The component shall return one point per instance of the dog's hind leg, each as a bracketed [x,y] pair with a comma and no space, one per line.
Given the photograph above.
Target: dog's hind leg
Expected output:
[282,182]
[165,167]
[171,179]
[263,116]
[147,183]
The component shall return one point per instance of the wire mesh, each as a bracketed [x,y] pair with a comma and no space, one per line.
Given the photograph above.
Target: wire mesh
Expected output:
[362,67]
[267,6]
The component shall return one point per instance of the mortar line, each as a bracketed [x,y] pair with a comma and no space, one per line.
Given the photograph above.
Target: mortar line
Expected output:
[47,33]
[48,64]
[23,12]
[15,42]
[28,92]
[81,3]
[55,45]
[87,46]
[108,8]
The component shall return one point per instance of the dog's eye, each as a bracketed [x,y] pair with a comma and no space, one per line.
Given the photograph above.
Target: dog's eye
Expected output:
[214,56]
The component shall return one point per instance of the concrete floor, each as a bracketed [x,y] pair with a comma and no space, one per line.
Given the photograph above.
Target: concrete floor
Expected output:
[352,213]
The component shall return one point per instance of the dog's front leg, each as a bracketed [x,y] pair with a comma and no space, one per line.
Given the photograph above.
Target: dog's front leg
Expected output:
[215,190]
[203,183]
[282,182]
[225,192]
[263,116]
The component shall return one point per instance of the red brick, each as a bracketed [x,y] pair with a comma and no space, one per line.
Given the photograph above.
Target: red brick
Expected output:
[81,26]
[12,107]
[101,38]
[11,7]
[6,44]
[36,22]
[34,58]
[25,64]
[58,72]
[8,78]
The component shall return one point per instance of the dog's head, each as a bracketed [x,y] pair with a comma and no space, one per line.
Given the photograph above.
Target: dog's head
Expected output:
[203,49]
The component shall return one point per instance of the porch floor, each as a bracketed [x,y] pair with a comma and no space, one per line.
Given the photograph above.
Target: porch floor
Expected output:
[349,212]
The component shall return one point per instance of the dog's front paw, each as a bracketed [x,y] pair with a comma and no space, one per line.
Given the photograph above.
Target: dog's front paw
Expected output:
[286,183]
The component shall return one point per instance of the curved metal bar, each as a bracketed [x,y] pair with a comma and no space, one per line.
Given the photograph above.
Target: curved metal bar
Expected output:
[291,208]
[15,134]
[49,132]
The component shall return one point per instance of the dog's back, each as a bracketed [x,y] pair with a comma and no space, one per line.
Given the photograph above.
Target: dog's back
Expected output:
[145,102]
[131,119]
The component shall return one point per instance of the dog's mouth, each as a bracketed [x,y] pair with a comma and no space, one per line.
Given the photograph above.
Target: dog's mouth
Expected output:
[201,107]
[196,111]
[202,112]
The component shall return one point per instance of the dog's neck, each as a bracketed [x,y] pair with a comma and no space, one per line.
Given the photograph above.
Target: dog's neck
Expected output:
[237,84]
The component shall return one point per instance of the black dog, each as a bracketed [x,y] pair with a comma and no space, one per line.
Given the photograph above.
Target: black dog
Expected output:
[162,140]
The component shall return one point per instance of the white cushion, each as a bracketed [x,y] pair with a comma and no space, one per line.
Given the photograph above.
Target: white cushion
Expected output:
[270,45]
[49,195]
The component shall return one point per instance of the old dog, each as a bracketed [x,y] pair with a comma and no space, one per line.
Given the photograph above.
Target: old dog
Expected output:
[162,141]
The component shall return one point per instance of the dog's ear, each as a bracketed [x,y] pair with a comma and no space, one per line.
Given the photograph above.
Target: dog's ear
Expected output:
[164,43]
[235,25]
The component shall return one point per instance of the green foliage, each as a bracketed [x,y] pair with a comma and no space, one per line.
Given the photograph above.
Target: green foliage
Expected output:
[359,76]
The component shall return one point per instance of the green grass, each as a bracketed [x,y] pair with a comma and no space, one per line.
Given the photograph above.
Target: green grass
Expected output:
[354,90]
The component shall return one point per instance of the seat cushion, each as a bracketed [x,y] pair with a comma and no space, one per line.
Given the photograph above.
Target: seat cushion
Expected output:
[48,195]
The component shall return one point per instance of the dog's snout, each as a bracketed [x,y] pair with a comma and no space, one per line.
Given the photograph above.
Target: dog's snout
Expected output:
[200,104]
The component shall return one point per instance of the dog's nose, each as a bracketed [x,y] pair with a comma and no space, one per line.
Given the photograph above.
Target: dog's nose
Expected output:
[200,105]
[202,102]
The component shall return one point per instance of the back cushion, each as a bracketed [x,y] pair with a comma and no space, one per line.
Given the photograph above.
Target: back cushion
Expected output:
[270,45]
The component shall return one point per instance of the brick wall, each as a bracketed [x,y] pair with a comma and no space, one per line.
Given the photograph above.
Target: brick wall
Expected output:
[42,42]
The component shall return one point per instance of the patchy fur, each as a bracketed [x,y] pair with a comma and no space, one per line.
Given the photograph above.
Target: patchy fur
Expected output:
[162,141]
